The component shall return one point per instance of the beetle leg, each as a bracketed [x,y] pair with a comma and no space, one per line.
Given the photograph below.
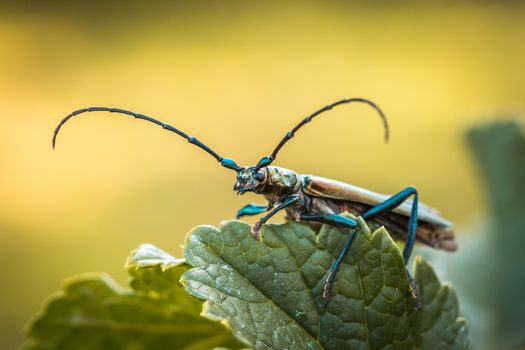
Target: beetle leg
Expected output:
[387,206]
[252,209]
[257,227]
[340,221]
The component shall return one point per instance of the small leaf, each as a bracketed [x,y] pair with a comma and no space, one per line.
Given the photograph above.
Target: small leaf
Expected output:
[440,315]
[93,312]
[147,255]
[270,291]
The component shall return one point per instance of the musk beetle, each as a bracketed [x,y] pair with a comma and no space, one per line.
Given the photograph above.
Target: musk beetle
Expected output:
[315,200]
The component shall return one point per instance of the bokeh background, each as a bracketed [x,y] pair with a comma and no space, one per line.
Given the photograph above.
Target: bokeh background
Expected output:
[237,75]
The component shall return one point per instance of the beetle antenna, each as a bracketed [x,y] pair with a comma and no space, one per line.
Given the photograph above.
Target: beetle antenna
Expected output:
[225,162]
[268,160]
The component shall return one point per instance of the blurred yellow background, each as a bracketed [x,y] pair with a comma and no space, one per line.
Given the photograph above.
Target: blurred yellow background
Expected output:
[237,76]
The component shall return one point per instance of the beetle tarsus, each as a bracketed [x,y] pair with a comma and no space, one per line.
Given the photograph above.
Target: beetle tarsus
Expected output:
[413,290]
[255,230]
[327,288]
[291,200]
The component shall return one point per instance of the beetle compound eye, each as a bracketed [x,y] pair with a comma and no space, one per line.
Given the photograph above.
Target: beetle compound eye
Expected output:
[259,177]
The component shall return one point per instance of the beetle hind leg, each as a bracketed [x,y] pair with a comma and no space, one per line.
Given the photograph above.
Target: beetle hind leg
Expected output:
[390,204]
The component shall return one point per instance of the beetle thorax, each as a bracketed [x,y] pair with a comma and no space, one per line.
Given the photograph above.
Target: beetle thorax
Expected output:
[280,182]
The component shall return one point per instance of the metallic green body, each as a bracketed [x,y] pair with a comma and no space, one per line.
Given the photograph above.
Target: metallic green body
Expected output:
[318,195]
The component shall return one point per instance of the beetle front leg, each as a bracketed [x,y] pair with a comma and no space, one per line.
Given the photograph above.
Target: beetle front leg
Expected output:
[287,202]
[252,209]
[390,204]
[339,221]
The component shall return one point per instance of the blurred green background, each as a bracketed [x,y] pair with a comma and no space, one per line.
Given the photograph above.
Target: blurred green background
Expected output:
[237,75]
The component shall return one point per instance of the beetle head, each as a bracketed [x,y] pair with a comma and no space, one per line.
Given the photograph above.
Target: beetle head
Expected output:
[249,180]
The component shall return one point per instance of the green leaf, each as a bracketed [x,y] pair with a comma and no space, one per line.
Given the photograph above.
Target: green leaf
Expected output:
[500,151]
[270,291]
[437,324]
[93,312]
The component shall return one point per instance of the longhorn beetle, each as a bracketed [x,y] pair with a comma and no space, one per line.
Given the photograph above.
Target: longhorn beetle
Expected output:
[316,200]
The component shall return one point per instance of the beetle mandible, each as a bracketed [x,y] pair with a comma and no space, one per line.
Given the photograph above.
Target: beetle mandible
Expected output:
[315,200]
